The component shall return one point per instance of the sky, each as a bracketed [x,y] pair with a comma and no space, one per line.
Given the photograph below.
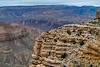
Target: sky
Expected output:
[49,2]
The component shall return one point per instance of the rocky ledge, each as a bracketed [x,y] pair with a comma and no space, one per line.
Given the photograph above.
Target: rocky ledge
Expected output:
[72,45]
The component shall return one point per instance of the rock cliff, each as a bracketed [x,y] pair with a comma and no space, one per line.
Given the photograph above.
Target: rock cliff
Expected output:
[98,13]
[16,44]
[72,45]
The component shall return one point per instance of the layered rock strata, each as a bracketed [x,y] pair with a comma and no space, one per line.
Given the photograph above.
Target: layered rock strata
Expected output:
[16,45]
[72,45]
[98,13]
[11,32]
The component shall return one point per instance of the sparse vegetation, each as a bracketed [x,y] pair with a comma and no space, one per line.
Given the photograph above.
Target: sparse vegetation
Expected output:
[81,42]
[69,32]
[69,48]
[55,40]
[96,21]
[64,41]
[64,55]
[91,65]
[64,66]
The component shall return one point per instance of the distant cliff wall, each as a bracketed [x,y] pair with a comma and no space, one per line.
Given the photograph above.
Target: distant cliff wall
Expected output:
[16,43]
[98,13]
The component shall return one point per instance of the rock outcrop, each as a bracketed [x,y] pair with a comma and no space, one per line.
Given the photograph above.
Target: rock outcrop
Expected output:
[72,45]
[16,44]
[98,13]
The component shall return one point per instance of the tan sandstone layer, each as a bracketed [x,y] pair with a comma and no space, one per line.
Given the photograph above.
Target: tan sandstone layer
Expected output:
[72,45]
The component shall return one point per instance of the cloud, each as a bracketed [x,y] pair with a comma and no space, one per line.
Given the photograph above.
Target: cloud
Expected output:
[43,2]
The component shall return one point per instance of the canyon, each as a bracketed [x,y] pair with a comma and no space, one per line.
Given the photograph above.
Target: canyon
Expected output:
[16,43]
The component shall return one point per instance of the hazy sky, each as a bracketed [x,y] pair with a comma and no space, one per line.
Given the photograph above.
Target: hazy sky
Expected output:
[49,2]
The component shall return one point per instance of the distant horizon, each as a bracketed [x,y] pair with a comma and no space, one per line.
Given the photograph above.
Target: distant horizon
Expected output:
[95,3]
[48,5]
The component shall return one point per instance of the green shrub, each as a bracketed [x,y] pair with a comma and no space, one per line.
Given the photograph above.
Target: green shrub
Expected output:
[69,32]
[81,43]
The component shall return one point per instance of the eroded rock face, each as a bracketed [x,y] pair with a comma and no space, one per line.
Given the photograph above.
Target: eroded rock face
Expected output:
[68,46]
[10,32]
[16,44]
[98,13]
